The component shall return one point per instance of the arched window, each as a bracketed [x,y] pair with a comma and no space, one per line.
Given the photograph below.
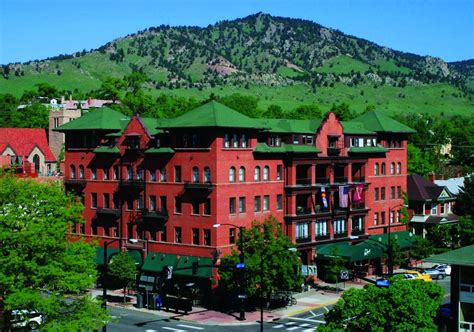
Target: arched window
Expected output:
[376,169]
[81,172]
[392,168]
[207,175]
[129,173]
[256,174]
[195,174]
[242,174]
[73,172]
[382,169]
[399,168]
[36,161]
[140,173]
[266,173]
[232,174]
[94,173]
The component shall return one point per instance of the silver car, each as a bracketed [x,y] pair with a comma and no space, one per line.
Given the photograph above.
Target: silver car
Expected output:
[436,273]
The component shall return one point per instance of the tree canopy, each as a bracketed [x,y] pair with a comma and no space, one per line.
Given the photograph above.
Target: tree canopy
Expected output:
[122,269]
[38,266]
[406,305]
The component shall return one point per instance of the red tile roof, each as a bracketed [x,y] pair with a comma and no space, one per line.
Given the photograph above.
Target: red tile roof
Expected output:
[23,140]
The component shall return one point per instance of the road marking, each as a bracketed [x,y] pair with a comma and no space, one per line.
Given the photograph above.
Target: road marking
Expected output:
[151,331]
[304,325]
[290,323]
[191,327]
[327,310]
[279,326]
[309,320]
[308,330]
[319,315]
[292,328]
[172,329]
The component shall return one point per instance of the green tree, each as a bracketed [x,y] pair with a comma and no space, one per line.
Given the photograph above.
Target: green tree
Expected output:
[465,200]
[269,262]
[38,266]
[111,88]
[242,103]
[135,80]
[421,249]
[123,270]
[305,112]
[274,111]
[47,90]
[465,231]
[33,116]
[342,111]
[8,105]
[418,161]
[404,306]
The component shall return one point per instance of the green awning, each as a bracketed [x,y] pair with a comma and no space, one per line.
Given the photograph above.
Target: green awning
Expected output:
[368,149]
[351,253]
[155,262]
[99,254]
[186,262]
[159,150]
[107,149]
[136,256]
[405,239]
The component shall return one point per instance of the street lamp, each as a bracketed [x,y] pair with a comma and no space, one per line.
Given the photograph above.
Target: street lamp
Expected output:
[104,289]
[390,253]
[242,275]
[292,249]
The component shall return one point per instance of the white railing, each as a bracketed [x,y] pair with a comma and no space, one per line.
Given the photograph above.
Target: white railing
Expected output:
[466,326]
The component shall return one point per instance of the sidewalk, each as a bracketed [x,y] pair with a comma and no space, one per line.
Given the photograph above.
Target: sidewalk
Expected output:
[306,301]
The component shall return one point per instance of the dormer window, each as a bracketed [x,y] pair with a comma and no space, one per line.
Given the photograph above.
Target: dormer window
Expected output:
[296,139]
[274,141]
[133,141]
[243,141]
[226,141]
[307,139]
[235,141]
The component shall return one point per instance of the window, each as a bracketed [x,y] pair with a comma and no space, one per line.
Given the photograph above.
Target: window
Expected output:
[226,141]
[196,236]
[81,172]
[115,201]
[243,141]
[194,140]
[207,207]
[185,140]
[106,201]
[274,141]
[163,235]
[152,175]
[242,204]
[266,173]
[73,171]
[392,168]
[442,209]
[242,174]
[232,205]
[207,175]
[129,173]
[94,230]
[256,204]
[256,174]
[339,226]
[106,173]
[382,169]
[307,139]
[235,141]
[140,202]
[376,218]
[296,139]
[116,173]
[195,175]
[163,175]
[382,193]
[376,194]
[140,173]
[279,203]
[279,172]
[399,168]
[163,206]
[152,203]
[392,192]
[94,200]
[449,207]
[392,213]
[321,228]
[177,235]
[382,218]
[177,174]
[195,206]
[358,223]
[129,204]
[207,237]
[376,169]
[232,174]
[434,209]
[397,216]
[266,203]
[177,204]
[302,230]
[232,235]
[82,229]
[399,192]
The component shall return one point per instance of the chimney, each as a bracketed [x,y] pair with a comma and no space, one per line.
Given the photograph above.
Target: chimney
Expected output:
[432,177]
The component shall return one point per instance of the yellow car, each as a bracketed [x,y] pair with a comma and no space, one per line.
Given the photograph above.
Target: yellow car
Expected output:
[413,275]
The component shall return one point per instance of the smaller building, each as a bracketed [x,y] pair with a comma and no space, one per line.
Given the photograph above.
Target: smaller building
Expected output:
[429,204]
[27,146]
[462,286]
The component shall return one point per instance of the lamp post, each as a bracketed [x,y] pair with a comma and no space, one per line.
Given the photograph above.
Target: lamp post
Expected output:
[104,289]
[390,249]
[242,275]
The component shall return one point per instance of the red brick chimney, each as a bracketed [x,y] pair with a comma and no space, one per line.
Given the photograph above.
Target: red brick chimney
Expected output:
[432,177]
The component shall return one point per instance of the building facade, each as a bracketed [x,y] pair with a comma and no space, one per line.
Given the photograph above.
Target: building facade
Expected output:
[167,183]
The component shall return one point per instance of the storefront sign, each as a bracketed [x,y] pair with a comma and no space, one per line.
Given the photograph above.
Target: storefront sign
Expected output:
[309,270]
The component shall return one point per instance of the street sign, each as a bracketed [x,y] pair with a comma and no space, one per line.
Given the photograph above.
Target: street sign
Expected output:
[382,283]
[344,275]
[240,265]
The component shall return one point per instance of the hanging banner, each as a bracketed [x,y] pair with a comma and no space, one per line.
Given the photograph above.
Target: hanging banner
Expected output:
[324,197]
[343,196]
[357,197]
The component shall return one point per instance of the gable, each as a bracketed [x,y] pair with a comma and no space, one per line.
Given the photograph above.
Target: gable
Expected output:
[444,194]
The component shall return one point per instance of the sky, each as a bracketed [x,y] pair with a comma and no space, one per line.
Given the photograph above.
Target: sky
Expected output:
[36,29]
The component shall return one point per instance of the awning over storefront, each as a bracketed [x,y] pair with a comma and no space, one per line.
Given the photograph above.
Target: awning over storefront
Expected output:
[186,263]
[405,239]
[155,262]
[99,254]
[352,253]
[136,256]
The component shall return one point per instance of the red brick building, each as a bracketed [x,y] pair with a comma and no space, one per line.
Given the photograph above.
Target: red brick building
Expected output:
[167,182]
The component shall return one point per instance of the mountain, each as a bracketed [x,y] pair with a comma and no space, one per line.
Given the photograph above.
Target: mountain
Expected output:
[256,51]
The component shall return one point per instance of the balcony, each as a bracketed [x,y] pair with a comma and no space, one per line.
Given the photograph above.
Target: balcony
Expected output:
[340,179]
[322,180]
[155,216]
[303,182]
[75,181]
[322,237]
[132,183]
[107,212]
[358,206]
[199,186]
[303,239]
[340,235]
[303,211]
[358,179]
[357,231]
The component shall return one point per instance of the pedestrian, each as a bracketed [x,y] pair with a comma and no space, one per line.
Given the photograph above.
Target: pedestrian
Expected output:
[158,302]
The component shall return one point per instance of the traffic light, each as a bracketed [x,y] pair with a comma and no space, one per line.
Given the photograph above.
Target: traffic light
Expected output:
[195,267]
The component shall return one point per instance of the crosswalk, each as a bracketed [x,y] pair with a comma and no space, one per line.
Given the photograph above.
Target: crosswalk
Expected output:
[298,327]
[178,328]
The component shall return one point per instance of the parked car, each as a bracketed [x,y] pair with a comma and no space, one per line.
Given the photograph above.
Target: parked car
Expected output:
[412,274]
[445,267]
[30,319]
[436,273]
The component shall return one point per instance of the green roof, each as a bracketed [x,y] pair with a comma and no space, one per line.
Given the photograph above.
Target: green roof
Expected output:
[212,115]
[159,150]
[368,149]
[107,149]
[186,262]
[291,126]
[102,118]
[151,124]
[379,122]
[285,148]
[463,256]
[405,239]
[352,253]
[355,128]
[155,262]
